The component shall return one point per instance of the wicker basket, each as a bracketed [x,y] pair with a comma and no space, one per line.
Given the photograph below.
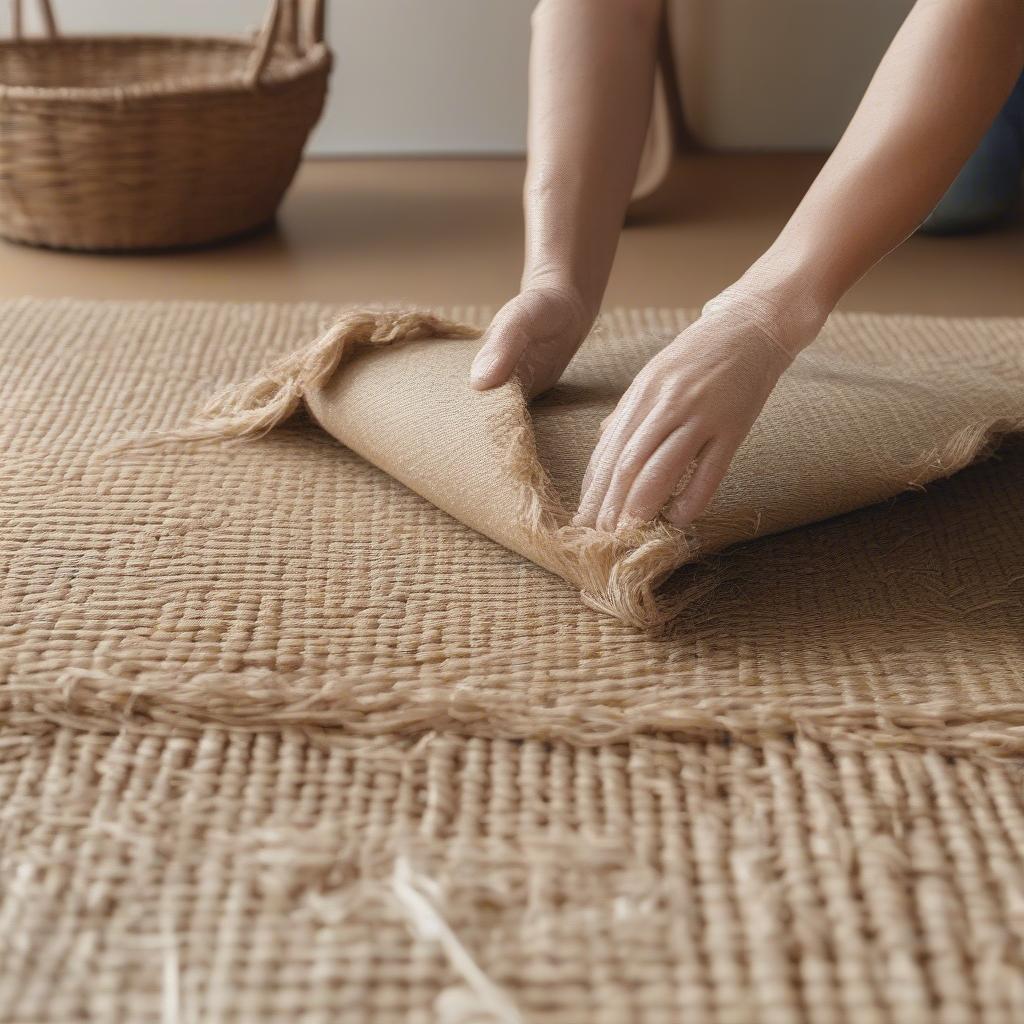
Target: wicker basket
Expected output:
[152,142]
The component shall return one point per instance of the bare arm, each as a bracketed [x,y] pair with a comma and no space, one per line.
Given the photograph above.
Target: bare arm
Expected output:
[591,82]
[934,94]
[938,88]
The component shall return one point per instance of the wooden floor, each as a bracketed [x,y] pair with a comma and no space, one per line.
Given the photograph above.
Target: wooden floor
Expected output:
[449,232]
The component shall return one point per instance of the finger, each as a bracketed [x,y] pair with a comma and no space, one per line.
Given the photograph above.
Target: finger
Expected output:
[597,455]
[644,443]
[696,496]
[504,343]
[595,482]
[642,494]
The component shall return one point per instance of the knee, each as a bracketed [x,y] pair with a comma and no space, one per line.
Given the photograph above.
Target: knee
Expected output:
[643,14]
[639,15]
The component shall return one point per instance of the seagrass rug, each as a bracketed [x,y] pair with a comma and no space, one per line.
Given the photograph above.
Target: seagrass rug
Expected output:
[282,740]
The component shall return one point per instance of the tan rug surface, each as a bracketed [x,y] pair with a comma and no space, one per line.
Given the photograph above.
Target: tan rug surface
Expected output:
[281,741]
[258,878]
[288,581]
[877,407]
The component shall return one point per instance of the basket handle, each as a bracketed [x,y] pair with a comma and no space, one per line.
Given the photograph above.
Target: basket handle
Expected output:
[18,21]
[294,24]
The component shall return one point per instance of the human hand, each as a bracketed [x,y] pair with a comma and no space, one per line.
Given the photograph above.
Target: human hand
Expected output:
[533,335]
[675,431]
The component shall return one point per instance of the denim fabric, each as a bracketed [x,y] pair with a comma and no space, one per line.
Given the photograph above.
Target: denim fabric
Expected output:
[987,188]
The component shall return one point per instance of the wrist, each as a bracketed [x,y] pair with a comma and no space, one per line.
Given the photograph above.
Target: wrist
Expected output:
[787,304]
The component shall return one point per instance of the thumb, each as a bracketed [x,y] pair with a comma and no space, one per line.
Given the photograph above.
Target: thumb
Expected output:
[504,343]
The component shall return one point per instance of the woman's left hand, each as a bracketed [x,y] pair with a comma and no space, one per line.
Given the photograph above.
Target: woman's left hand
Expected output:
[675,431]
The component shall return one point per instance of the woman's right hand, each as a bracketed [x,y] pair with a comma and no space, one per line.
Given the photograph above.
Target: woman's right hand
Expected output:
[533,336]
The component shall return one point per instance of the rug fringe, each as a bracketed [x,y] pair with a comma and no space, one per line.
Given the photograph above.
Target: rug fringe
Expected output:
[255,406]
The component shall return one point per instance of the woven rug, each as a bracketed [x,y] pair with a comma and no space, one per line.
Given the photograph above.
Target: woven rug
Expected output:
[288,581]
[282,741]
[876,408]
[226,876]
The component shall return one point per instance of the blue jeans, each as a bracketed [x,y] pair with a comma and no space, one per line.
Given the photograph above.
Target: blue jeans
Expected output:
[986,191]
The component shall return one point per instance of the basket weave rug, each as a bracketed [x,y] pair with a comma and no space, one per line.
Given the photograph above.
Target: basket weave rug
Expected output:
[283,741]
[876,408]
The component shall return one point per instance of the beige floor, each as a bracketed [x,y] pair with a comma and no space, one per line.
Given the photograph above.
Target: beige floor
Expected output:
[449,231]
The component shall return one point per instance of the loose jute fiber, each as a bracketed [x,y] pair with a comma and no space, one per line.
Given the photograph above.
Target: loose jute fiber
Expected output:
[281,741]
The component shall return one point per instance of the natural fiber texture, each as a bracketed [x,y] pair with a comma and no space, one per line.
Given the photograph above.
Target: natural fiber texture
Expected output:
[257,701]
[862,419]
[260,878]
[289,582]
[150,142]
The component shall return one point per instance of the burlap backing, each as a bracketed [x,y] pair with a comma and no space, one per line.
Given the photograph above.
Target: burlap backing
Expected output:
[281,741]
[287,581]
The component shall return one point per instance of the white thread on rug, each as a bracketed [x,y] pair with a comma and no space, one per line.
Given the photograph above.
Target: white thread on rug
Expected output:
[481,1002]
[171,1001]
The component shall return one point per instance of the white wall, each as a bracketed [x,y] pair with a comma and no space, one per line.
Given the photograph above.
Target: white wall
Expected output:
[449,76]
[411,76]
[763,74]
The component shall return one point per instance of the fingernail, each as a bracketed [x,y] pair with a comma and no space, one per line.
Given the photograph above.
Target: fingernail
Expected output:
[479,373]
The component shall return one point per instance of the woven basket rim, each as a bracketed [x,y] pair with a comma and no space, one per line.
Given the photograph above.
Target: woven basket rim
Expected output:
[316,59]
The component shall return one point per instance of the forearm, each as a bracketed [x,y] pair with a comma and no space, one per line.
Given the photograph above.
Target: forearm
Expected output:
[935,93]
[591,81]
